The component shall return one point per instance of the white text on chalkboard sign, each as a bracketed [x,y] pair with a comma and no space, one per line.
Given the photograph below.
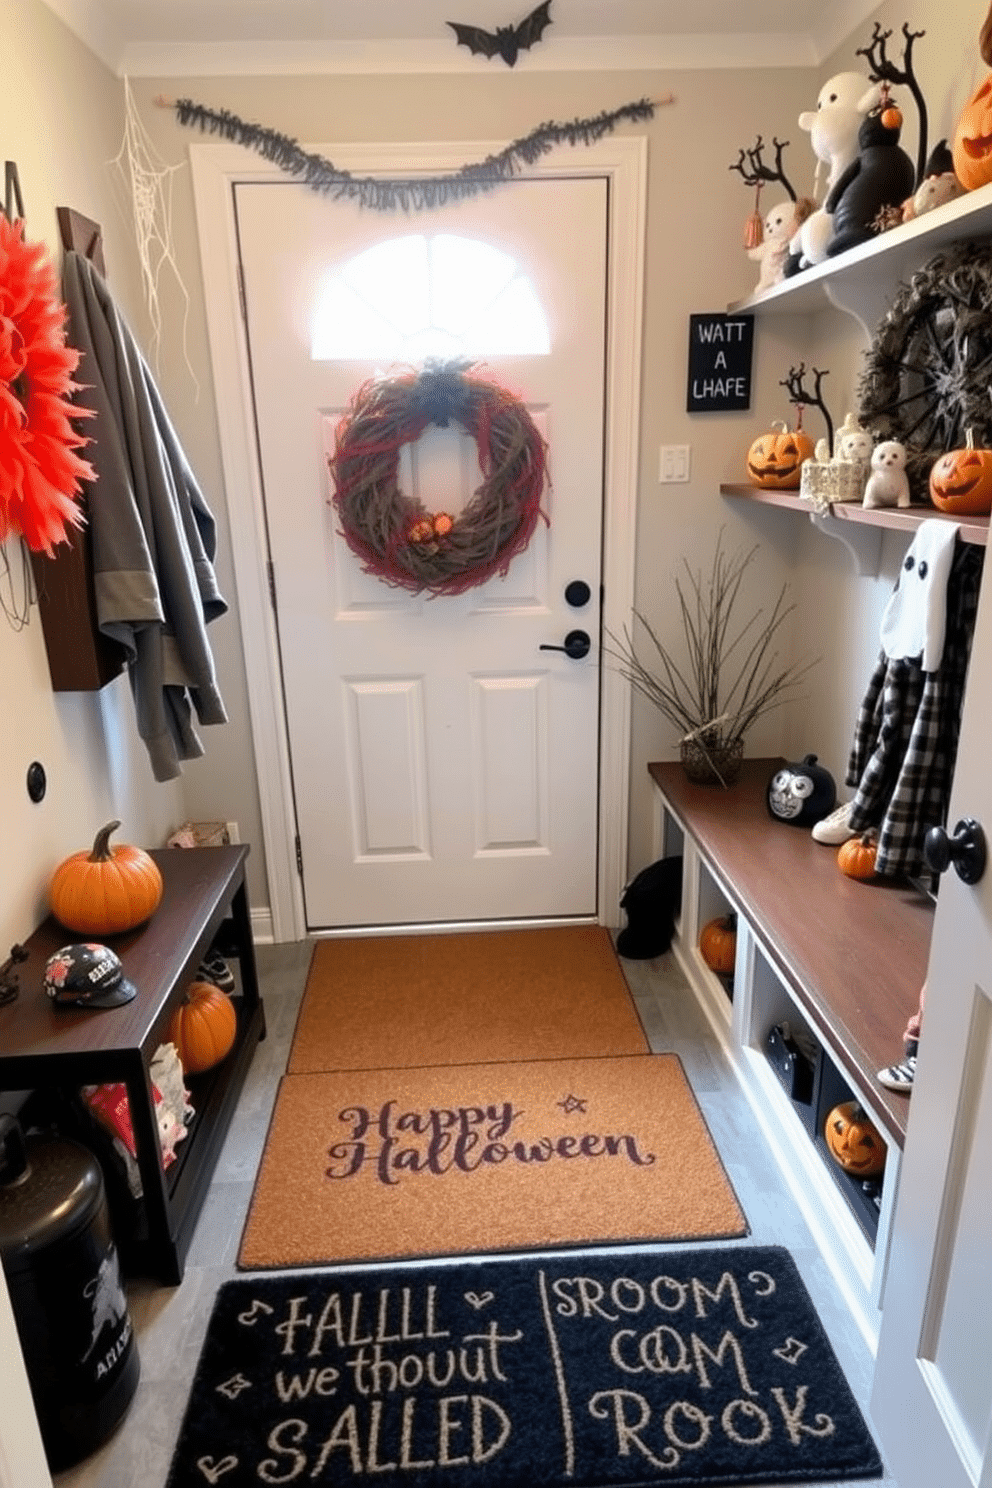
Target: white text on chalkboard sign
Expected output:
[719,362]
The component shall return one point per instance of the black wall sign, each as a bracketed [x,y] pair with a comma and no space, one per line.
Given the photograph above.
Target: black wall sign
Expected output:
[719,363]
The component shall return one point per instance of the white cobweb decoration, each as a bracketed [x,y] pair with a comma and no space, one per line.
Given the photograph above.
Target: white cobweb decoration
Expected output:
[147,185]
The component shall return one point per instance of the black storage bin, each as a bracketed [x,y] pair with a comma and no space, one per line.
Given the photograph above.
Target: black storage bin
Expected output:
[798,1073]
[63,1276]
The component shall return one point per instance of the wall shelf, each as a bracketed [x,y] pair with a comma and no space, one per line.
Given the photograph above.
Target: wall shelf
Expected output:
[861,281]
[896,519]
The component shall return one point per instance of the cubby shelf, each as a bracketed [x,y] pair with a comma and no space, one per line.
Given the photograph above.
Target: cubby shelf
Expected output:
[842,961]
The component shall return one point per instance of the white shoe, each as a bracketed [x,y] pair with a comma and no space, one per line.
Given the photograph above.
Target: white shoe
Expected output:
[834,829]
[899,1076]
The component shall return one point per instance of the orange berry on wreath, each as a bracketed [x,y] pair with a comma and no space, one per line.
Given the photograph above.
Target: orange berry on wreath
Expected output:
[422,531]
[443,524]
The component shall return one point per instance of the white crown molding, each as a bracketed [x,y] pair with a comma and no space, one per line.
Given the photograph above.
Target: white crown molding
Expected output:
[570,54]
[89,20]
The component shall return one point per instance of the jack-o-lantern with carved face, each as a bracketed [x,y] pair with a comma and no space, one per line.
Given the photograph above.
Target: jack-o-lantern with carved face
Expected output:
[961,481]
[972,150]
[774,460]
[854,1141]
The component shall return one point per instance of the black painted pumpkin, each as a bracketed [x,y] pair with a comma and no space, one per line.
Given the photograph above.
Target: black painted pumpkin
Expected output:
[802,794]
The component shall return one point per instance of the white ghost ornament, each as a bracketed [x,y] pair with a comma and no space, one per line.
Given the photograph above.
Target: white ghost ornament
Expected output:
[915,617]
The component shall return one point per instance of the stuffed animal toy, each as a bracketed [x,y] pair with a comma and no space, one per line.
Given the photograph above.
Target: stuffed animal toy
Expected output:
[852,443]
[882,176]
[833,132]
[887,483]
[779,228]
[939,184]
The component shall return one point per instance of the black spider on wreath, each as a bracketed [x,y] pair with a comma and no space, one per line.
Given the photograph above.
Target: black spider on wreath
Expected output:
[928,373]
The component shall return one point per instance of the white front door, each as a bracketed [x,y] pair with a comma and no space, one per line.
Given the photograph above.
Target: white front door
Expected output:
[444,766]
[932,1401]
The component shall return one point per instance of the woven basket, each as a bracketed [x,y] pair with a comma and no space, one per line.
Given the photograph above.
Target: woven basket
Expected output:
[712,764]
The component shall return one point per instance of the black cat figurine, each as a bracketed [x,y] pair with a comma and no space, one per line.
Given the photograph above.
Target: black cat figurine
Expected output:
[881,176]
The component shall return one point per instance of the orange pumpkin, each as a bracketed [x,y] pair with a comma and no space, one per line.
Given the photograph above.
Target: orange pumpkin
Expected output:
[972,148]
[107,890]
[718,944]
[775,460]
[856,856]
[961,481]
[854,1141]
[203,1028]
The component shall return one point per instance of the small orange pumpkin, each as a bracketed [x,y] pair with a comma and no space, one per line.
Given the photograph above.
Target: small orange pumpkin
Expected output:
[203,1028]
[775,460]
[854,1141]
[856,856]
[105,891]
[972,148]
[718,944]
[961,481]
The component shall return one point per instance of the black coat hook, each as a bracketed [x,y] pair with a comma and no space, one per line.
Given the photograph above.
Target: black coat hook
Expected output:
[12,193]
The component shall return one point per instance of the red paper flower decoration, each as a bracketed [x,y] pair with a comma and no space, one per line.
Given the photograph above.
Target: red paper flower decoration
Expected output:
[39,468]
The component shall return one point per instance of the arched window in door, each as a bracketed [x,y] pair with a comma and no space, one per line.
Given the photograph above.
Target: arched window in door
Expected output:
[416,297]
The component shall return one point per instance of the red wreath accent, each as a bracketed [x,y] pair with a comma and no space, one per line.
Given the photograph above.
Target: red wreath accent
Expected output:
[39,469]
[395,536]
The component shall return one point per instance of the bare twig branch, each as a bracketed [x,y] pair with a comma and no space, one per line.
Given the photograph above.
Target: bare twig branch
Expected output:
[755,172]
[730,676]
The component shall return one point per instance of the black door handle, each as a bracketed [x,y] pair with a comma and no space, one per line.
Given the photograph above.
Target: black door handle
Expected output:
[577,644]
[965,849]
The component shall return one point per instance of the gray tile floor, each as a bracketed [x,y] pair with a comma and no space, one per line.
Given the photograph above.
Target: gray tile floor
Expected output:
[170,1322]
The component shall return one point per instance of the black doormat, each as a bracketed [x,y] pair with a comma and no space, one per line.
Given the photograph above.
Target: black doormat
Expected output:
[683,1366]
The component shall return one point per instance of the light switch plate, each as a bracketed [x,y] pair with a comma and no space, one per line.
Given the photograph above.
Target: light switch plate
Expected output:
[674,464]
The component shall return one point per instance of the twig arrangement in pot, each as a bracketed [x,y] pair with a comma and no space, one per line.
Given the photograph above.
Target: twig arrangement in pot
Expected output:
[728,675]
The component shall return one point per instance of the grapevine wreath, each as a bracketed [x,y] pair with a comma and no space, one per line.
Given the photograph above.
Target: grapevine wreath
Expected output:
[39,468]
[928,371]
[394,535]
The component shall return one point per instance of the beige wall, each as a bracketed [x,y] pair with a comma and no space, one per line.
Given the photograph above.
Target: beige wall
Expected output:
[68,124]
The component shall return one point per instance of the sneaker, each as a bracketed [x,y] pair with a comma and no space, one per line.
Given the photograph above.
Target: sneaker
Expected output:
[899,1076]
[834,828]
[215,969]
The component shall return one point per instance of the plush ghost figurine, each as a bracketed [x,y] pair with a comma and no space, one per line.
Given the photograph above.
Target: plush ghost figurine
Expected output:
[833,132]
[778,229]
[887,484]
[853,444]
[915,617]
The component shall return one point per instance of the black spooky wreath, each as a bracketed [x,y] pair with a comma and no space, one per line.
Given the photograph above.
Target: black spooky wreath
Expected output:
[394,535]
[928,372]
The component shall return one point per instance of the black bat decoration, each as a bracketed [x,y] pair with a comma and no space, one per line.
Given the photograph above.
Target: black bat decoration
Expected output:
[506,41]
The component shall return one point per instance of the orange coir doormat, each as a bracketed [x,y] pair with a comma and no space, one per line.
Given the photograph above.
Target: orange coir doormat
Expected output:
[479,1158]
[399,1002]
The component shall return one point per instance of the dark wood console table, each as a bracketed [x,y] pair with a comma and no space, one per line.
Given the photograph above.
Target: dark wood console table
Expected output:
[46,1047]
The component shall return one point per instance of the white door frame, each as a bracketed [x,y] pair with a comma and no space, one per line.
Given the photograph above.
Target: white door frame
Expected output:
[215,171]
